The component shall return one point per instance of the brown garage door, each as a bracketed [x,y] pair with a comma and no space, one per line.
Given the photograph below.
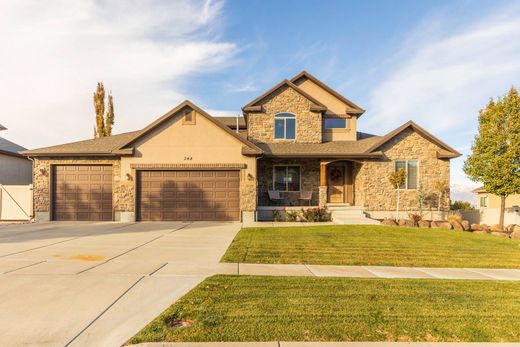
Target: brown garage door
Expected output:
[82,192]
[188,195]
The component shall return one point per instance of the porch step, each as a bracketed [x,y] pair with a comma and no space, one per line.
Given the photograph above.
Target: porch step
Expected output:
[345,214]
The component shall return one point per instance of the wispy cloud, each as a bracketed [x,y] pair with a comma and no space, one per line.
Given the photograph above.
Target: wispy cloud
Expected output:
[54,52]
[442,77]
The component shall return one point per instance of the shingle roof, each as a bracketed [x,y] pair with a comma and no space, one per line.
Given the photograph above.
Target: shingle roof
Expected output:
[232,122]
[103,146]
[8,146]
[325,149]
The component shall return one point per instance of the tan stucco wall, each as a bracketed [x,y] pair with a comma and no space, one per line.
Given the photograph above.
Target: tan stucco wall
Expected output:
[374,192]
[202,143]
[335,107]
[493,201]
[15,171]
[308,124]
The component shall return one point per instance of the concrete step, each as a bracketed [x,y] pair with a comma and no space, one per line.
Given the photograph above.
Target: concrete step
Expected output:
[352,213]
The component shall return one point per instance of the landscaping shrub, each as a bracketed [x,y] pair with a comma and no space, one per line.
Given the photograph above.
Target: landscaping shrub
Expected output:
[277,216]
[318,214]
[291,216]
[415,218]
[455,217]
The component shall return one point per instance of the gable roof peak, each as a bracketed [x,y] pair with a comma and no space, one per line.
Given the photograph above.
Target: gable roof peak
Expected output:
[304,73]
[187,103]
[291,85]
[446,153]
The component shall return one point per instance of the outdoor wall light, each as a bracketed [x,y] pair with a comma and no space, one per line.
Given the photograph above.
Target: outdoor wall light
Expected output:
[43,171]
[250,177]
[128,177]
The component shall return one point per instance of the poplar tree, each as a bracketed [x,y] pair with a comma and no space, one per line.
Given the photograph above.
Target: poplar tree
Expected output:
[104,120]
[495,157]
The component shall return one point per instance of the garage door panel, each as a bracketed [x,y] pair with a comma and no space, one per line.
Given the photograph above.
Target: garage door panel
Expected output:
[82,192]
[188,195]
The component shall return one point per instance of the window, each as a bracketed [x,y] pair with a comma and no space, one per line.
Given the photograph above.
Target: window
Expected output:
[412,172]
[335,123]
[189,117]
[286,178]
[483,201]
[285,126]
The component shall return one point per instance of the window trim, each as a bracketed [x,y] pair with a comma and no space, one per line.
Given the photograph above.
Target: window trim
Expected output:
[485,201]
[334,129]
[292,116]
[406,168]
[286,172]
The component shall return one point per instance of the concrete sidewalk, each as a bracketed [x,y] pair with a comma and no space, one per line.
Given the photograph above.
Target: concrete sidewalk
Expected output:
[370,271]
[329,344]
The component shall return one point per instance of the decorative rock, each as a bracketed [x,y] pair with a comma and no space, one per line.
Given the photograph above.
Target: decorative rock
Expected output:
[515,234]
[389,222]
[406,223]
[499,234]
[456,225]
[478,231]
[465,225]
[516,228]
[496,227]
[424,224]
[475,227]
[484,227]
[441,224]
[510,227]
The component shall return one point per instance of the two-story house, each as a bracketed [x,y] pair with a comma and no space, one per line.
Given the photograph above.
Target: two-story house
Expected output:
[297,144]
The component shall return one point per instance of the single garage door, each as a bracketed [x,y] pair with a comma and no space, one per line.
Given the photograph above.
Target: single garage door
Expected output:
[188,195]
[82,192]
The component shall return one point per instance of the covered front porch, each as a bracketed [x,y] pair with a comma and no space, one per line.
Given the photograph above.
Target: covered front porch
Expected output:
[304,182]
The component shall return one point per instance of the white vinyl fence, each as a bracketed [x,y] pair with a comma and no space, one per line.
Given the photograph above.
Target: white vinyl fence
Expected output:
[15,202]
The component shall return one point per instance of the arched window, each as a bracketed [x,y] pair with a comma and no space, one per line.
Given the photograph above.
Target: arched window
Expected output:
[285,126]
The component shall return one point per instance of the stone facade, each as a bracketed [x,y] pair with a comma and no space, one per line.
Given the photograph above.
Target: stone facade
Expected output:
[308,123]
[122,192]
[310,180]
[375,193]
[248,195]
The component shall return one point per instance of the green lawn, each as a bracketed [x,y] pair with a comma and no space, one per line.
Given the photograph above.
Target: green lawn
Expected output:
[372,245]
[257,308]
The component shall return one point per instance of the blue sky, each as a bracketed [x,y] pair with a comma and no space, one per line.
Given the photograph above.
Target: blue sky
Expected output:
[436,62]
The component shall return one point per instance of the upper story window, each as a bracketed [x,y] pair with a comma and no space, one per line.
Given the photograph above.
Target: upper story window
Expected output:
[285,126]
[412,172]
[335,123]
[483,201]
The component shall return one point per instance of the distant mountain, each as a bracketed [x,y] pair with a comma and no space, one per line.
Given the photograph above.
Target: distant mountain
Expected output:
[461,191]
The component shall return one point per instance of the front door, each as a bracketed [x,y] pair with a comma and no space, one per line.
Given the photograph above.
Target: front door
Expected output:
[336,184]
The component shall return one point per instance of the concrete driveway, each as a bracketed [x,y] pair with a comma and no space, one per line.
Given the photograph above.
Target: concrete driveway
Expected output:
[97,284]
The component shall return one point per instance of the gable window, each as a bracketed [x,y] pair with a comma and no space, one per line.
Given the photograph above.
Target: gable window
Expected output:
[412,172]
[335,123]
[286,178]
[285,126]
[483,201]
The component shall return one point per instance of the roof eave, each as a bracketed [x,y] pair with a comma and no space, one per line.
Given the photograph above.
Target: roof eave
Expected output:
[72,154]
[13,154]
[372,155]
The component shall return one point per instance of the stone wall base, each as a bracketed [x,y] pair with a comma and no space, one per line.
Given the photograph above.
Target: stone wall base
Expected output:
[248,216]
[124,217]
[427,215]
[42,216]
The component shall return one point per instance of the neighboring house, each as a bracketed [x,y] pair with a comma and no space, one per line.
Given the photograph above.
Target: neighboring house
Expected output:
[15,168]
[489,208]
[297,144]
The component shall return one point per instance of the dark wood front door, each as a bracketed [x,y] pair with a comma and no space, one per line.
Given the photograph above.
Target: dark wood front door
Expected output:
[82,193]
[336,178]
[188,195]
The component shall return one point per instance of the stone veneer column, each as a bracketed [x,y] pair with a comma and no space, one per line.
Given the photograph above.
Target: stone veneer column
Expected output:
[323,196]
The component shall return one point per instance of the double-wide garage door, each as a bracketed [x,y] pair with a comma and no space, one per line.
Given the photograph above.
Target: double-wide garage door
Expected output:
[188,195]
[82,192]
